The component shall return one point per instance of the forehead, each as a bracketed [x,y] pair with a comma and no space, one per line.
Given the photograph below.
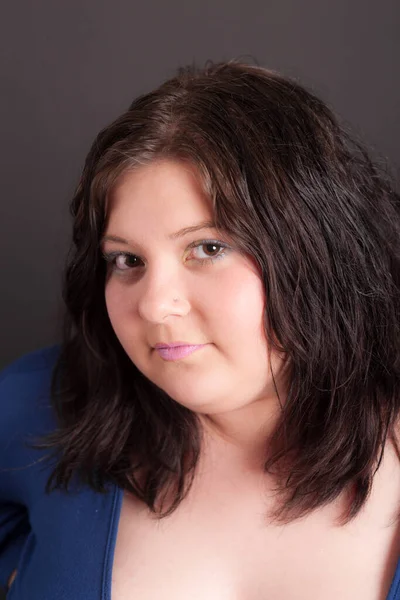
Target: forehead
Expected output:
[161,196]
[159,182]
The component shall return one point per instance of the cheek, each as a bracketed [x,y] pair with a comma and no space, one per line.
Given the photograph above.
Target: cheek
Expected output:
[240,301]
[117,307]
[113,301]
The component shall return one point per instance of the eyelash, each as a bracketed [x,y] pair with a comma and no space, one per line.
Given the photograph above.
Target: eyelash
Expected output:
[111,257]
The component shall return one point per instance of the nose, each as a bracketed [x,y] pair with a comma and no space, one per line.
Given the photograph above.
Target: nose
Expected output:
[162,297]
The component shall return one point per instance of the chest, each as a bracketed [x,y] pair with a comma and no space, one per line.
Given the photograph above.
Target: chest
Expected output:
[218,546]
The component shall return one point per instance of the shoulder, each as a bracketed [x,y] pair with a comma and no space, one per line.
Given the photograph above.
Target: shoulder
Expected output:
[25,404]
[42,359]
[26,378]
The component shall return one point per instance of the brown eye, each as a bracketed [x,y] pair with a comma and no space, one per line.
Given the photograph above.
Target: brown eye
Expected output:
[211,250]
[121,262]
[124,262]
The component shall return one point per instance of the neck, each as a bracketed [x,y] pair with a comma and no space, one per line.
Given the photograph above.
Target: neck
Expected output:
[241,437]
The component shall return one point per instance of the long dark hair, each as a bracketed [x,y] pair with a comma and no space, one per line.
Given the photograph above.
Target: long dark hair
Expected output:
[301,195]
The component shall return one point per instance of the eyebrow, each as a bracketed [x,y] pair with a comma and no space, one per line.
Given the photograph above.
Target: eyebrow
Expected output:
[171,236]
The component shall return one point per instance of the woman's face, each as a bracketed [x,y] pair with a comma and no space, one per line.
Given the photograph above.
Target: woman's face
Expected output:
[220,302]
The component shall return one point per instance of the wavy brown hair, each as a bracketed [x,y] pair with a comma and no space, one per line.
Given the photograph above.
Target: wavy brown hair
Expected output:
[299,193]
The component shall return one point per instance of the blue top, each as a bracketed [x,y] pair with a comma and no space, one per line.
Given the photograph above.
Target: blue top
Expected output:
[62,544]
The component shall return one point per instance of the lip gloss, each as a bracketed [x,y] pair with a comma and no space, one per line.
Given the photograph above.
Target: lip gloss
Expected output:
[178,352]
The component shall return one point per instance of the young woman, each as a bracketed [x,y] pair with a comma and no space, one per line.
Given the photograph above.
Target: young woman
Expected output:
[221,419]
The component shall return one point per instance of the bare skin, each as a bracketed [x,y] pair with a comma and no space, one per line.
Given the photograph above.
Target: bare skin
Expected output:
[219,546]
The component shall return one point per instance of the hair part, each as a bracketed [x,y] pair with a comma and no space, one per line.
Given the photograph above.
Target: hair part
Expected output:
[299,194]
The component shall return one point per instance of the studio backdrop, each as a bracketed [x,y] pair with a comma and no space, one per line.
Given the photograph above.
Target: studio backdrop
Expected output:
[69,68]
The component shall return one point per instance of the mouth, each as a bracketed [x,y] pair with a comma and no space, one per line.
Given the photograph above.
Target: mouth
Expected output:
[178,352]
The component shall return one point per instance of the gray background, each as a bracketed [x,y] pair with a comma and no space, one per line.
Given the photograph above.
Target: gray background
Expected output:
[69,68]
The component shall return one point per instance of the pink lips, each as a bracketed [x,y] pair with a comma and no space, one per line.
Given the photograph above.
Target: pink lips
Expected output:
[177,352]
